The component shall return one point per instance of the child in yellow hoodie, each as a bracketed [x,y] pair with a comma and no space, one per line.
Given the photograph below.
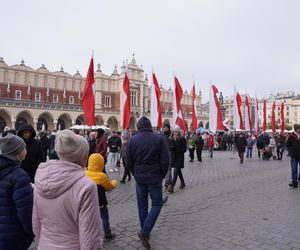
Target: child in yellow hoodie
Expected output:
[96,174]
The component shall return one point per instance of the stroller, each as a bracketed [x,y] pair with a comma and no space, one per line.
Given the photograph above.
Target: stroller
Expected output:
[268,151]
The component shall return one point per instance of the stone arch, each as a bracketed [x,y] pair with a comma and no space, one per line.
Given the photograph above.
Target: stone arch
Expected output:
[132,123]
[45,121]
[80,120]
[5,119]
[207,125]
[22,118]
[64,121]
[201,124]
[112,123]
[99,120]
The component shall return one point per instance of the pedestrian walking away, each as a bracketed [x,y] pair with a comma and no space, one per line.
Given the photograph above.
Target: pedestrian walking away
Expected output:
[250,145]
[148,159]
[65,210]
[293,144]
[199,143]
[96,174]
[122,155]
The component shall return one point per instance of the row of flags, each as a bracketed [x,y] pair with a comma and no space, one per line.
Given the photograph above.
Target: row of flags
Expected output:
[215,112]
[88,102]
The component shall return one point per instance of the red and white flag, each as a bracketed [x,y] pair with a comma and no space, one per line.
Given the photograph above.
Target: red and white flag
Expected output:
[264,116]
[88,97]
[282,117]
[155,111]
[215,113]
[125,93]
[194,113]
[256,116]
[178,119]
[248,122]
[273,118]
[237,117]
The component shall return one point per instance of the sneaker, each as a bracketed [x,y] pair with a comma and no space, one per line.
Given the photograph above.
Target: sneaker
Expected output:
[293,185]
[144,239]
[182,185]
[122,181]
[108,235]
[116,170]
[171,189]
[111,170]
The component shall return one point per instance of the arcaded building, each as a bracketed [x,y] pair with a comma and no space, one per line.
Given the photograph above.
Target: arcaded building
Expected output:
[53,99]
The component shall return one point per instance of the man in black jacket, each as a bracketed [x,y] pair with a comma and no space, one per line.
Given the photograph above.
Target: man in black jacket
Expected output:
[240,144]
[147,158]
[114,144]
[199,146]
[34,150]
[293,145]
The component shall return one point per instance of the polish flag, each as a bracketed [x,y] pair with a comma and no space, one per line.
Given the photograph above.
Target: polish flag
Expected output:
[215,114]
[248,122]
[178,119]
[155,112]
[282,117]
[88,97]
[265,115]
[194,113]
[237,118]
[125,93]
[256,117]
[273,118]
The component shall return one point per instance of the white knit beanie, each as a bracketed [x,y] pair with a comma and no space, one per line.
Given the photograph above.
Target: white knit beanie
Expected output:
[71,147]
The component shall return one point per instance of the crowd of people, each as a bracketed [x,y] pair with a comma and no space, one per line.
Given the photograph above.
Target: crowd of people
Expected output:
[53,186]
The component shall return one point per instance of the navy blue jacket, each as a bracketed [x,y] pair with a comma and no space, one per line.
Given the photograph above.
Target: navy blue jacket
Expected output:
[16,201]
[147,157]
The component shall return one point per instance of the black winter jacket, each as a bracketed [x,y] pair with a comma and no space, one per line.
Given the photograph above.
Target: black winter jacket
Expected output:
[178,148]
[293,145]
[16,201]
[34,152]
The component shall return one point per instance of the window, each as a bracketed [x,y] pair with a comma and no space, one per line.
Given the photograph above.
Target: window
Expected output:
[107,101]
[287,108]
[133,98]
[37,96]
[71,99]
[18,95]
[55,98]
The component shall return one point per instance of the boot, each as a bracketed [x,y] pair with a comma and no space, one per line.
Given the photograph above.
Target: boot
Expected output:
[182,185]
[108,235]
[170,189]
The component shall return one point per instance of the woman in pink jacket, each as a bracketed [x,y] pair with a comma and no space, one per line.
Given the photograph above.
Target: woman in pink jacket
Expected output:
[65,211]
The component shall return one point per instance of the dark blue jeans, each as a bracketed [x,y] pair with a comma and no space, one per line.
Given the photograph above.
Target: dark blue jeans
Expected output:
[105,218]
[148,219]
[294,166]
[211,150]
[249,152]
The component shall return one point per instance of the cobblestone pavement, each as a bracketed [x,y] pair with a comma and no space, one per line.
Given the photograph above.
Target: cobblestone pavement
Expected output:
[225,205]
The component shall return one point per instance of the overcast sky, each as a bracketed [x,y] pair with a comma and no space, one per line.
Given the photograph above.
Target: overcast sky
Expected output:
[253,44]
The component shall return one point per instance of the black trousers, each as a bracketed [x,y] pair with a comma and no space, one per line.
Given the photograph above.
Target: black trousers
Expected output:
[199,154]
[177,173]
[192,151]
[126,171]
[279,154]
[241,155]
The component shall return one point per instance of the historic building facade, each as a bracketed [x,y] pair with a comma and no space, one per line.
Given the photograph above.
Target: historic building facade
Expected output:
[49,100]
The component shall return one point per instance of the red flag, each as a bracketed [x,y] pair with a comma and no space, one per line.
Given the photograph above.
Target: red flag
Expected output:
[179,120]
[265,116]
[194,116]
[126,108]
[282,117]
[219,121]
[158,94]
[239,105]
[273,118]
[88,98]
[248,122]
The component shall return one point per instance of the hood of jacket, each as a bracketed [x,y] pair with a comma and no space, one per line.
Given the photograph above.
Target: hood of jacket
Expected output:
[55,177]
[27,127]
[95,168]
